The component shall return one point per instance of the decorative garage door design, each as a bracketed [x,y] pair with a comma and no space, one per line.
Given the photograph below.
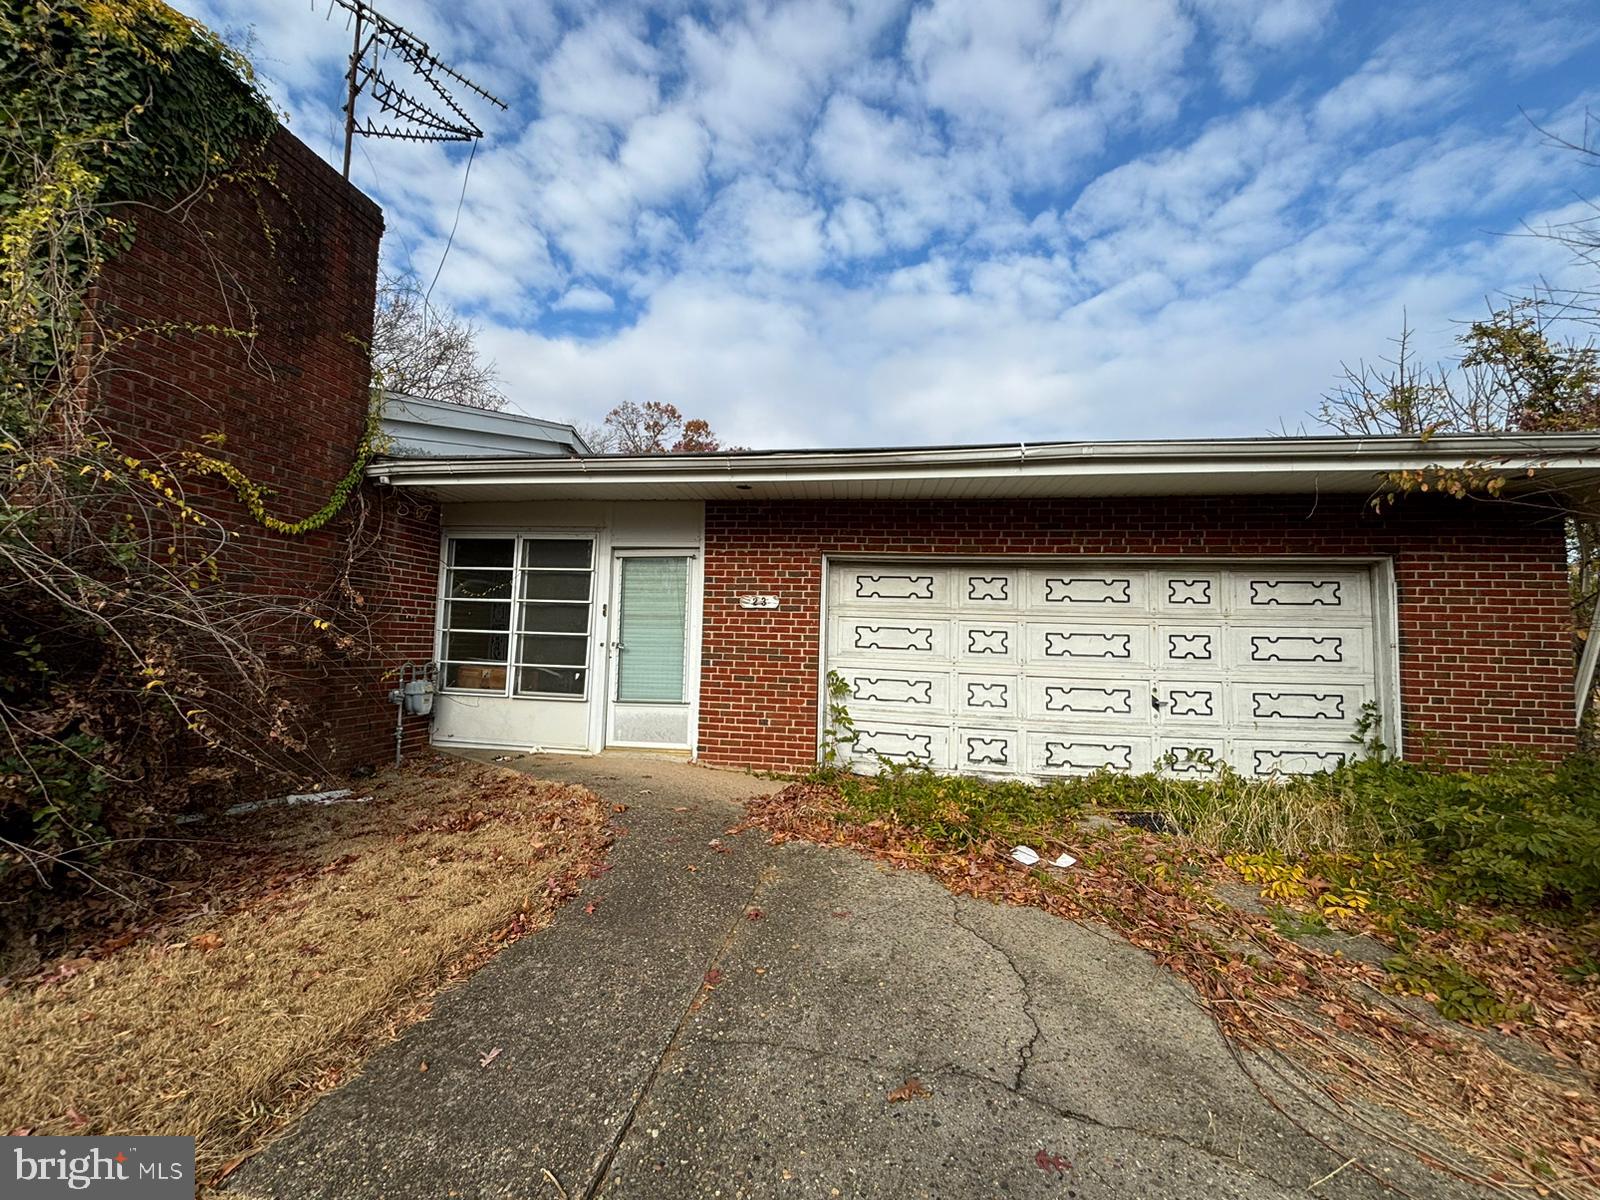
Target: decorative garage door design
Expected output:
[1047,670]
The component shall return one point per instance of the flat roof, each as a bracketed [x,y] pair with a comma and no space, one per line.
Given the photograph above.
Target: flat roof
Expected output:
[1561,462]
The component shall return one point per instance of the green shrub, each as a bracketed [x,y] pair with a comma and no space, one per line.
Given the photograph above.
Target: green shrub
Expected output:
[52,818]
[961,810]
[1449,987]
[1524,833]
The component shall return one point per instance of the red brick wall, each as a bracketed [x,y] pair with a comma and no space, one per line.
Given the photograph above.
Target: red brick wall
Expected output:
[293,255]
[1485,643]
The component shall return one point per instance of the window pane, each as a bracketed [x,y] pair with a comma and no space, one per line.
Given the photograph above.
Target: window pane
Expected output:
[555,585]
[477,647]
[480,585]
[481,552]
[556,552]
[539,649]
[555,618]
[653,629]
[477,614]
[550,681]
[464,675]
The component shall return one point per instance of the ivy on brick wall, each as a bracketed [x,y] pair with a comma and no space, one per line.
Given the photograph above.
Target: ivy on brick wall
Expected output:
[124,644]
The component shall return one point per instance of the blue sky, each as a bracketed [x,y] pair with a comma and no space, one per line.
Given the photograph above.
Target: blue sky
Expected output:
[880,223]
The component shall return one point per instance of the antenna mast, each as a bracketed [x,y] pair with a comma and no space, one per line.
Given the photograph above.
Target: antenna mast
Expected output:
[434,118]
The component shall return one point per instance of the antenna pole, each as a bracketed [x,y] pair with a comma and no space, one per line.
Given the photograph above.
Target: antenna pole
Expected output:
[434,115]
[352,86]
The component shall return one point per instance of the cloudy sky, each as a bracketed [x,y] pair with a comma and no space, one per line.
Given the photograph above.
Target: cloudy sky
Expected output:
[879,223]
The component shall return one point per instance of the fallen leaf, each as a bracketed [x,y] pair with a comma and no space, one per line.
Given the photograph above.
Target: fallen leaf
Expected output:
[713,977]
[911,1089]
[487,1057]
[619,808]
[692,867]
[753,914]
[21,1131]
[76,1119]
[206,941]
[1052,1162]
[591,906]
[423,1066]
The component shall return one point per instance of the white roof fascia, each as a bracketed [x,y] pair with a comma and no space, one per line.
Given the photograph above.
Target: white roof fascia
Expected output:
[1297,462]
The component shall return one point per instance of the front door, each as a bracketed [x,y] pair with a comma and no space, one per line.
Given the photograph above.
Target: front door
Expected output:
[650,649]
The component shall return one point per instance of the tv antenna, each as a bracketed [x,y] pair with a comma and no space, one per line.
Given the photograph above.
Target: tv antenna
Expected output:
[376,41]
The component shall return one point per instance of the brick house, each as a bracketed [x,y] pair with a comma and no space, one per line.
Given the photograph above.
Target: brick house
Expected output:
[1020,610]
[1015,610]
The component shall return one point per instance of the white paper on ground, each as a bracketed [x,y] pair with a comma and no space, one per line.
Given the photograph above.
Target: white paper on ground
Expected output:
[1026,855]
[1066,860]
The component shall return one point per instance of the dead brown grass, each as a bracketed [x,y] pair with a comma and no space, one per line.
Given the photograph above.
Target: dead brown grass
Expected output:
[322,931]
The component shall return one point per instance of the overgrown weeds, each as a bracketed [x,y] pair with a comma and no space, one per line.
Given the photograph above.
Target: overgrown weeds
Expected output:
[1525,833]
[1328,1027]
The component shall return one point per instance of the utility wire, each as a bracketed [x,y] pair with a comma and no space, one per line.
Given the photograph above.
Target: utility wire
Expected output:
[450,241]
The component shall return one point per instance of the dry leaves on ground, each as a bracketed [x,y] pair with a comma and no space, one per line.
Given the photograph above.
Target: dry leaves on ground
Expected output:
[339,925]
[1326,1028]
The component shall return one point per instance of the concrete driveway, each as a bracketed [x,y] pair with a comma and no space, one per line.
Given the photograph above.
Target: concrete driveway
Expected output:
[1057,1060]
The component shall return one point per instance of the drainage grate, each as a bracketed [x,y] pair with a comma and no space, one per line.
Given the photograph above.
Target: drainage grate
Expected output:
[1151,822]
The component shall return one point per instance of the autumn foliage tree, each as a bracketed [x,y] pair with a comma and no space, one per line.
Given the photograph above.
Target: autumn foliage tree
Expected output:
[653,427]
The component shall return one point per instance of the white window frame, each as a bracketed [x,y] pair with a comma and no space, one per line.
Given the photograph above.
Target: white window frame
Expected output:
[514,633]
[516,665]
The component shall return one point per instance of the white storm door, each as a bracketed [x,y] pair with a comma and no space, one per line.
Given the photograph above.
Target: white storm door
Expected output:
[650,649]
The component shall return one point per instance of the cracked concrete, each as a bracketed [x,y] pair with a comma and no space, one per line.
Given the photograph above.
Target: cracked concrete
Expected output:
[1024,1051]
[1061,1061]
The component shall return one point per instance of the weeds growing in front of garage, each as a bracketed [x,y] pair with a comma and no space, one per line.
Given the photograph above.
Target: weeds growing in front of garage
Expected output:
[1525,834]
[1333,1028]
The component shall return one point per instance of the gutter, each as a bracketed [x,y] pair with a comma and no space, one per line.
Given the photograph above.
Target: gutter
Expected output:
[1377,456]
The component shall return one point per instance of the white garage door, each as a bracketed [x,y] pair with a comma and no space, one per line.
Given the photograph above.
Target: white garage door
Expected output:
[1049,670]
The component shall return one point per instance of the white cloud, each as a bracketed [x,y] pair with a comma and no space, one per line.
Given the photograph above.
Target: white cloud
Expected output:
[585,299]
[878,221]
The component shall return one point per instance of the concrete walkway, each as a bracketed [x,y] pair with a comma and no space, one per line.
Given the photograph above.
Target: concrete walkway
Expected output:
[1061,1062]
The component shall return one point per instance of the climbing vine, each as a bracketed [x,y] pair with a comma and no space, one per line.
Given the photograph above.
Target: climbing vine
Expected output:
[253,496]
[125,642]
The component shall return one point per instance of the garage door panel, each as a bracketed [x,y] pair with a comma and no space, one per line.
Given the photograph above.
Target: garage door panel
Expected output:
[988,643]
[1096,591]
[1275,705]
[994,697]
[1190,702]
[1254,649]
[998,589]
[880,586]
[910,692]
[1190,757]
[1038,669]
[1183,649]
[1087,647]
[988,751]
[888,638]
[1080,701]
[1266,759]
[1188,593]
[1083,754]
[900,742]
[1301,596]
